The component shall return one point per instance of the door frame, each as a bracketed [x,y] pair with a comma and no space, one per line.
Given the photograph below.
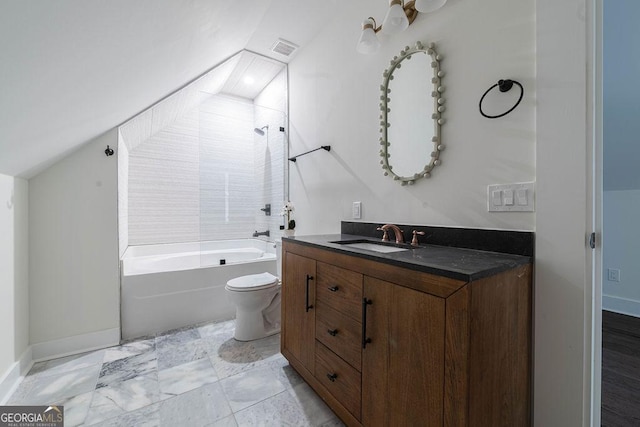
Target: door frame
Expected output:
[593,370]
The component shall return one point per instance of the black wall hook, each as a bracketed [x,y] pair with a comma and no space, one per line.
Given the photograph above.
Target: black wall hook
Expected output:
[108,151]
[504,86]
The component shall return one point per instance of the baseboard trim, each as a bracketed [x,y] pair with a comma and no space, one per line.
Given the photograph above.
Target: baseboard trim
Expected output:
[13,376]
[621,305]
[75,344]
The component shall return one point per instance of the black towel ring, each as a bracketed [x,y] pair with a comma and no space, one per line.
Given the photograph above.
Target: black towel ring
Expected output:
[504,86]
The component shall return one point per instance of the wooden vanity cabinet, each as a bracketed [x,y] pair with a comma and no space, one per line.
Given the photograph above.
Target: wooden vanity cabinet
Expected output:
[389,346]
[299,322]
[402,365]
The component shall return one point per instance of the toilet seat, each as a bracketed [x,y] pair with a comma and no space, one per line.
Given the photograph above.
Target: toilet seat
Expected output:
[252,282]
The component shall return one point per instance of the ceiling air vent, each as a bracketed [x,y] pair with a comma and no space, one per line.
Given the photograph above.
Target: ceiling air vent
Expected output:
[284,47]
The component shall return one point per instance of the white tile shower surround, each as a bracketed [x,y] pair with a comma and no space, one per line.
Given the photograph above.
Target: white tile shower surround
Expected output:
[206,176]
[195,376]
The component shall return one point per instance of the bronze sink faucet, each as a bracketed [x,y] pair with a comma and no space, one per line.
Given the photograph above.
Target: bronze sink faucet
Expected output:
[396,231]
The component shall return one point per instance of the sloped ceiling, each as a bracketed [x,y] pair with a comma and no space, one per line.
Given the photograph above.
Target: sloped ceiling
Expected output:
[73,69]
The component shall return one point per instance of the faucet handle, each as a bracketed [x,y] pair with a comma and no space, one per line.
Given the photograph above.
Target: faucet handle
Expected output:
[414,241]
[385,235]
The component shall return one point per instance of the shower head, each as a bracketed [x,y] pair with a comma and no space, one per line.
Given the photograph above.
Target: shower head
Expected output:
[260,131]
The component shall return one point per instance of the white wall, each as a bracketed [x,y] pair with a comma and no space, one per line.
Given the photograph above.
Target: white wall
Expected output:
[621,241]
[7,273]
[335,101]
[14,289]
[621,94]
[73,269]
[621,203]
[21,264]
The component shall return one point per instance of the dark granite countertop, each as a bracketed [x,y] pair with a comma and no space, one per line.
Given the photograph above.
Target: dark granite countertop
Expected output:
[456,263]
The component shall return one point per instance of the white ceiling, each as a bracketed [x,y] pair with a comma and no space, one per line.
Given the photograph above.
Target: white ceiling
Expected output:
[74,69]
[251,75]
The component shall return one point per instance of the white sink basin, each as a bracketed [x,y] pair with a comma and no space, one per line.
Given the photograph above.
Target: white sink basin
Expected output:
[374,247]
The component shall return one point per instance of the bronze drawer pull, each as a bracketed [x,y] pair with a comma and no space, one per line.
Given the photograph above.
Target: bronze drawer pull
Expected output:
[332,377]
[332,332]
[333,288]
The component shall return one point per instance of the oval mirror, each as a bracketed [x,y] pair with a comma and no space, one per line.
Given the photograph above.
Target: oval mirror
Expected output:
[410,124]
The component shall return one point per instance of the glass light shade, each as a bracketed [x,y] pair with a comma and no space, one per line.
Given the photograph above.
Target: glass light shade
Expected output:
[427,6]
[368,42]
[396,20]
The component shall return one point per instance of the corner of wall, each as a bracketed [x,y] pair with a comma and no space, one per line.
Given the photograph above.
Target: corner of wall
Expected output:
[14,300]
[123,195]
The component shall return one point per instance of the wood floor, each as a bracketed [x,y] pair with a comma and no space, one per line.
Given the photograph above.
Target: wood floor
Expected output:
[620,370]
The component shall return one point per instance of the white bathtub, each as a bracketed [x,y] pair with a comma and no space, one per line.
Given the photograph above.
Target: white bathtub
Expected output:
[168,286]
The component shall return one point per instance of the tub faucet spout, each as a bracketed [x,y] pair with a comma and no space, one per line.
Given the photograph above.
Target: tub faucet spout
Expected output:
[261,233]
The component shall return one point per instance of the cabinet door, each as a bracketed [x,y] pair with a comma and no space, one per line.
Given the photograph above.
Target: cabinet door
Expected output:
[298,314]
[403,365]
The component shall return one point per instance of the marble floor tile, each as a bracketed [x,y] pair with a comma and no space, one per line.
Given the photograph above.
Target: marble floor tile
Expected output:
[229,421]
[283,370]
[217,333]
[76,409]
[121,397]
[191,376]
[68,363]
[195,408]
[315,411]
[248,388]
[278,410]
[186,377]
[45,390]
[170,355]
[21,393]
[177,337]
[126,350]
[119,370]
[148,416]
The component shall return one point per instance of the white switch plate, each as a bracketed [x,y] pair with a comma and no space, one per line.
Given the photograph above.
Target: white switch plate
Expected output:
[356,210]
[518,197]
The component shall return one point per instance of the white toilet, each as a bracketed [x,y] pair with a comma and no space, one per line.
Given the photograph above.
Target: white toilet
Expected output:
[257,301]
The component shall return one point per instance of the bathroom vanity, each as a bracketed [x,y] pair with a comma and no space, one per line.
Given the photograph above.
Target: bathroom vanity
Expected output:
[429,335]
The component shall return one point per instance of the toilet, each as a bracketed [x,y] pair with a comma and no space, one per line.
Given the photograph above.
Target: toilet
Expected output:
[257,301]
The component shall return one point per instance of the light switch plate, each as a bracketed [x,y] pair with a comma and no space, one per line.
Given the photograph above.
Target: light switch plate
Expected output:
[356,212]
[518,197]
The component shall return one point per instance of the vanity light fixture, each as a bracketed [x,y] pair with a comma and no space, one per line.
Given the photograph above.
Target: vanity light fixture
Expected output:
[426,6]
[397,20]
[399,16]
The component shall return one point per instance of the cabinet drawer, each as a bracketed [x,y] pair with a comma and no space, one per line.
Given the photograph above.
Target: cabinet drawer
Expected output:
[341,289]
[340,333]
[340,378]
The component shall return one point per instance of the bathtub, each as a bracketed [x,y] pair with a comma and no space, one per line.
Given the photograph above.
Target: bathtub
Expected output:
[169,286]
